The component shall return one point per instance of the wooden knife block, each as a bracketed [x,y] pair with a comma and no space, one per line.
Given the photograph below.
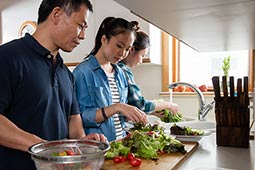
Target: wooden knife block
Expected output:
[233,122]
[232,114]
[232,136]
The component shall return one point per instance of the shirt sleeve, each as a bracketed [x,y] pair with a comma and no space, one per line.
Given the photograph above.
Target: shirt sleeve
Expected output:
[87,107]
[135,97]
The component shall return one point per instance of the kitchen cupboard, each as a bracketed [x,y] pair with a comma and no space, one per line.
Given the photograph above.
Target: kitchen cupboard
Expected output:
[205,25]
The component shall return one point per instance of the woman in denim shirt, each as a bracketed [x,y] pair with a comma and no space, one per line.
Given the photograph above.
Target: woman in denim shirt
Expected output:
[101,85]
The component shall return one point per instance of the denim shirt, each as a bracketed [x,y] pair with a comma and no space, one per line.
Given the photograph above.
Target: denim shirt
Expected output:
[93,92]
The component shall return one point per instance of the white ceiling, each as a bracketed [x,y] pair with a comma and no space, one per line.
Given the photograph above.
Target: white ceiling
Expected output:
[6,3]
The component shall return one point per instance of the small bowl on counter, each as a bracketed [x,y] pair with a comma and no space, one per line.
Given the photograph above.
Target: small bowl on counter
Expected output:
[69,154]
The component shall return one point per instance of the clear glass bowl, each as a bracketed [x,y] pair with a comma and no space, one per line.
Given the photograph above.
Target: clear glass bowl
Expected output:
[89,155]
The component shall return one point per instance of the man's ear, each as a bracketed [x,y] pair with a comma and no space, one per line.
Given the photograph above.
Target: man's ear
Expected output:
[56,15]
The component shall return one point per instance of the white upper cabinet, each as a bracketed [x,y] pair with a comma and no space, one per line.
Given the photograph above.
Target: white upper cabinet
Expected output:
[205,25]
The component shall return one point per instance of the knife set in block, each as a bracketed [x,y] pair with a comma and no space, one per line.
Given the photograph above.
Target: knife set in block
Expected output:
[232,112]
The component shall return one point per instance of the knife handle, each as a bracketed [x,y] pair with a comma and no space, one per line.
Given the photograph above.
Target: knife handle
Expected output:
[232,86]
[216,87]
[225,87]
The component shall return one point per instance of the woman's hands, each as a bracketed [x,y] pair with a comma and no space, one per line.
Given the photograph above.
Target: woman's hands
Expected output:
[173,107]
[132,113]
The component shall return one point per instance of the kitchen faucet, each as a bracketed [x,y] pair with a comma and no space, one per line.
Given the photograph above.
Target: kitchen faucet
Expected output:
[203,107]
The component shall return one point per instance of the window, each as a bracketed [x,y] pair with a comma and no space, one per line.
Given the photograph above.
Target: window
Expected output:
[183,63]
[198,68]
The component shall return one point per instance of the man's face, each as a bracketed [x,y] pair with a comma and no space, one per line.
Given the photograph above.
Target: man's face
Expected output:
[72,29]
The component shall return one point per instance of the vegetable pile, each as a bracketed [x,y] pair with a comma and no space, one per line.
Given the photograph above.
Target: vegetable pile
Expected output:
[144,141]
[177,130]
[170,117]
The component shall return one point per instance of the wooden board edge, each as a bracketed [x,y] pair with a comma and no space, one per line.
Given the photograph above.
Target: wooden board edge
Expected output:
[189,153]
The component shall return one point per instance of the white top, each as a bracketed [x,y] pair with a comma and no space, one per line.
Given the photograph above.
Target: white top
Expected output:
[115,99]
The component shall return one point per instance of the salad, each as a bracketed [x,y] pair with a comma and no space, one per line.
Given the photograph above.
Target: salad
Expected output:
[145,141]
[177,130]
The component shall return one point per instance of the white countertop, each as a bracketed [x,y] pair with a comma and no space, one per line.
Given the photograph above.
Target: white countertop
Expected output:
[209,155]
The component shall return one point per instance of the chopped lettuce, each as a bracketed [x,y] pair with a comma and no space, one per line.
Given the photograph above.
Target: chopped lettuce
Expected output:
[170,117]
[146,141]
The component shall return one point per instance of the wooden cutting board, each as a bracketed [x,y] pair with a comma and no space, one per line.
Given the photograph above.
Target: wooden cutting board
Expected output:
[165,162]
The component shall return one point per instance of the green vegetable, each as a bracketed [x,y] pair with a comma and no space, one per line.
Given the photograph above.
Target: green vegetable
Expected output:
[145,141]
[170,117]
[54,154]
[117,148]
[177,130]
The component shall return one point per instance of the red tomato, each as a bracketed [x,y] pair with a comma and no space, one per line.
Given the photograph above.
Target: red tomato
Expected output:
[119,159]
[123,158]
[150,133]
[135,162]
[130,156]
[69,152]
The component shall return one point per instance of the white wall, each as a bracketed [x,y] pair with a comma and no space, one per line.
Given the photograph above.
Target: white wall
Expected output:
[15,14]
[149,78]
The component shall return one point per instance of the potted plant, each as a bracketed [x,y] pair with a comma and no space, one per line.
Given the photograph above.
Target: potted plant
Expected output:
[226,66]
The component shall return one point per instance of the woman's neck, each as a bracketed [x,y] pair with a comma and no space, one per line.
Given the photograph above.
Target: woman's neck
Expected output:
[105,64]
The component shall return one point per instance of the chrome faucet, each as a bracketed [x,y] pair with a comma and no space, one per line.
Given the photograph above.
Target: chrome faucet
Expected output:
[203,107]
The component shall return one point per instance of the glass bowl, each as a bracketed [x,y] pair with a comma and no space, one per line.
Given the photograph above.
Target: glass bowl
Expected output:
[55,155]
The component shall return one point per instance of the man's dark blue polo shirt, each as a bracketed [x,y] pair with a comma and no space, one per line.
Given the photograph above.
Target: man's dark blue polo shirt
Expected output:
[35,95]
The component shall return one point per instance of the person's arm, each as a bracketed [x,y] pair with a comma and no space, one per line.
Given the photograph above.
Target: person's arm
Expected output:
[76,130]
[75,127]
[13,137]
[161,105]
[132,113]
[173,107]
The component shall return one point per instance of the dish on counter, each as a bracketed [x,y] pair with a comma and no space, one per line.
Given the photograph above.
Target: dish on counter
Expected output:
[191,138]
[187,133]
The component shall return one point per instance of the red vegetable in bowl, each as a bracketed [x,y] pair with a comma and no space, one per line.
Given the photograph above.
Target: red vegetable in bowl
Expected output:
[70,152]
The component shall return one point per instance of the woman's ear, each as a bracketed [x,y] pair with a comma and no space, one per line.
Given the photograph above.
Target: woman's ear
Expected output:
[132,50]
[103,39]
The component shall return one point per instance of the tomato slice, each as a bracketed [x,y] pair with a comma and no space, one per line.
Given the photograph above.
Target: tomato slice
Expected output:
[136,162]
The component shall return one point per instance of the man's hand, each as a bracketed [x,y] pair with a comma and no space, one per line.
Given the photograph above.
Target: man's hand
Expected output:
[95,136]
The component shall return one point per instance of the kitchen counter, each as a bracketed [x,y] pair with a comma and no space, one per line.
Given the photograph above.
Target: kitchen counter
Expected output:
[209,155]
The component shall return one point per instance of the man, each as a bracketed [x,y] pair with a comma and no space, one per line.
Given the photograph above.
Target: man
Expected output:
[37,96]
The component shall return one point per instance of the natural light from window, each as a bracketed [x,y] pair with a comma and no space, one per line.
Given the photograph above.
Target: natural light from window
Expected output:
[198,68]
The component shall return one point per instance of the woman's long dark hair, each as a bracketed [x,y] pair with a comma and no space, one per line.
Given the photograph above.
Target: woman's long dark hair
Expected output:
[110,27]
